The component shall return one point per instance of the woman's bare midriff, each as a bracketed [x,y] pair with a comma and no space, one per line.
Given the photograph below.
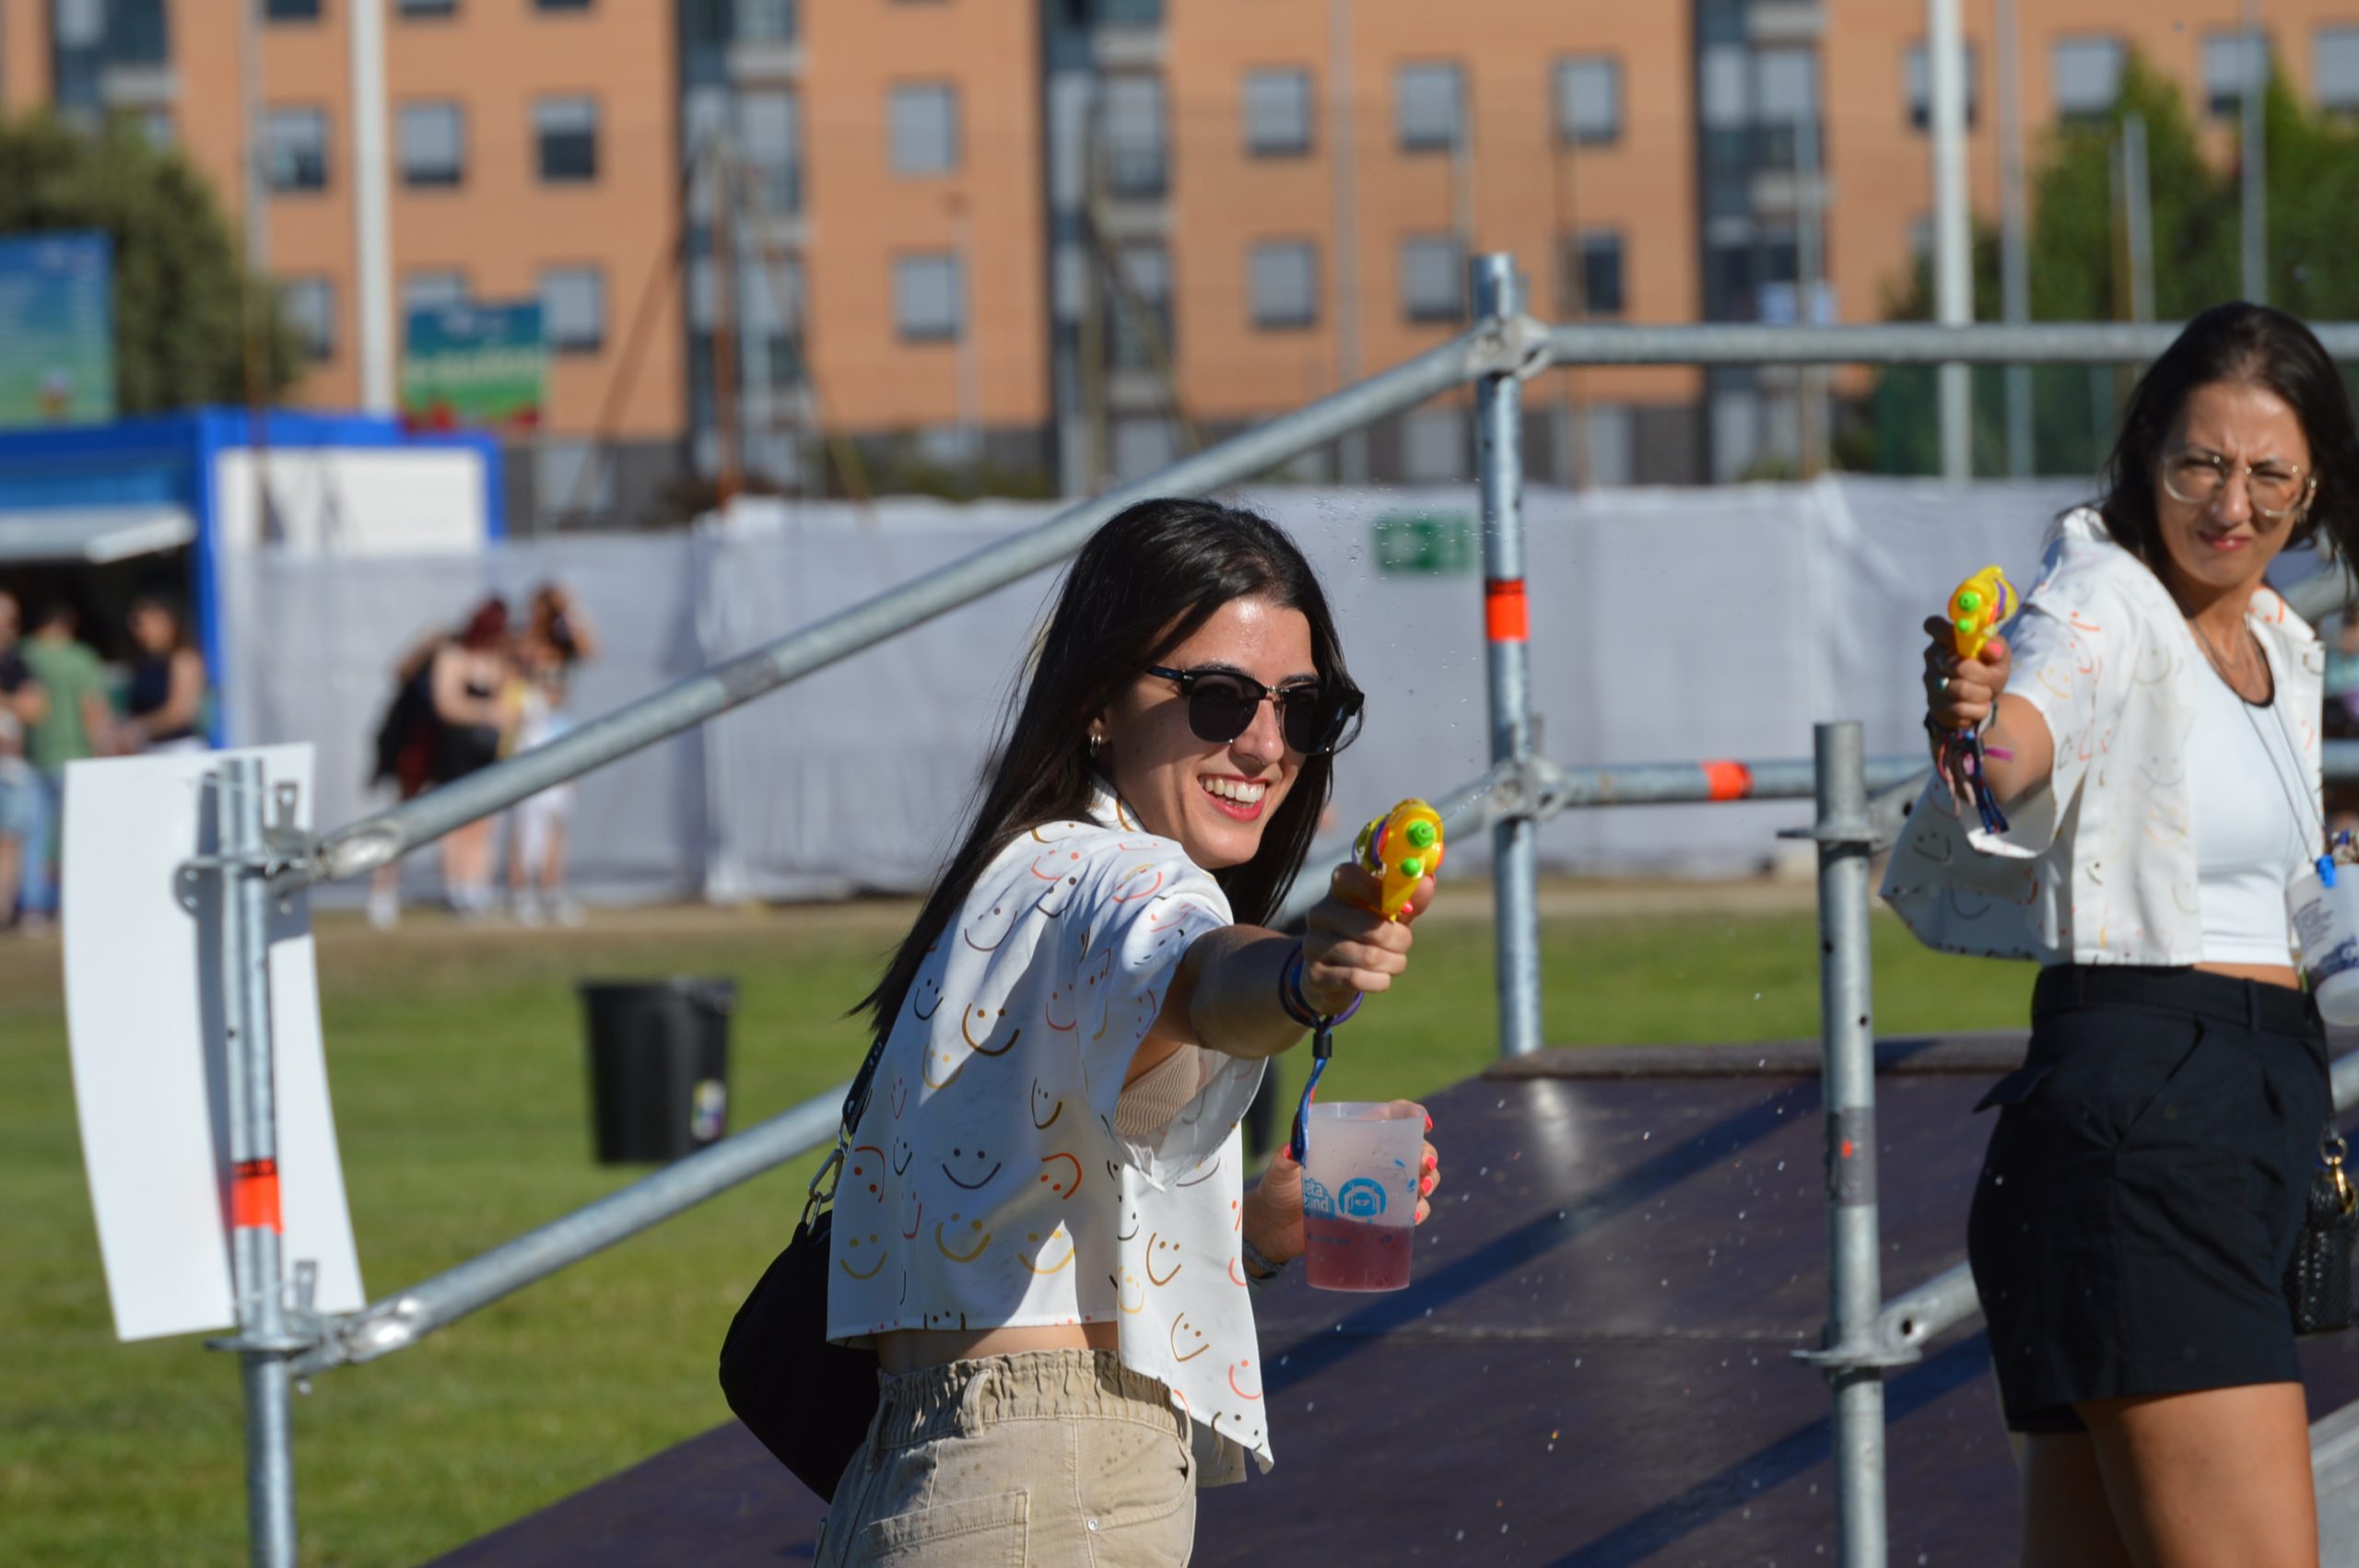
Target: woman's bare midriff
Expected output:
[2267,974]
[911,1348]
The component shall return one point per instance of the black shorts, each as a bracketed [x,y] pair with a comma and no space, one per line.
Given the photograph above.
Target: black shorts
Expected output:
[2143,1188]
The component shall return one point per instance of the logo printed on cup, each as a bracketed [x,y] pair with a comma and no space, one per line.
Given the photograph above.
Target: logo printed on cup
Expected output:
[1363,1198]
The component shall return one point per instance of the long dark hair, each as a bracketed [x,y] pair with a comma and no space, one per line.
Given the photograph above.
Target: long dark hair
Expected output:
[2263,347]
[1140,588]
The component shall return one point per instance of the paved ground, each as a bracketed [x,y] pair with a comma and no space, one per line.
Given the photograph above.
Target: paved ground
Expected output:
[1592,1367]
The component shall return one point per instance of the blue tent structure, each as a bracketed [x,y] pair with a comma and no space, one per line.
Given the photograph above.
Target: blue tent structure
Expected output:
[82,497]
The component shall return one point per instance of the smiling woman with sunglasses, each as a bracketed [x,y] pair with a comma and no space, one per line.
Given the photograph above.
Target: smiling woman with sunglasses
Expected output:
[1043,1227]
[2151,721]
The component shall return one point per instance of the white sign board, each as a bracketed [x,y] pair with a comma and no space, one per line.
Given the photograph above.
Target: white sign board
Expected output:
[150,1073]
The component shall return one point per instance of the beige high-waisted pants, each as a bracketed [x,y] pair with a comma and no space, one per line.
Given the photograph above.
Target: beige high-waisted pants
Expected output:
[1046,1459]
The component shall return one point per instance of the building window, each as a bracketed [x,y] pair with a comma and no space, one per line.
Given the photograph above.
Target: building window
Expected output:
[1588,100]
[1589,274]
[929,297]
[1277,112]
[765,21]
[1919,88]
[309,305]
[768,130]
[573,310]
[570,478]
[1142,290]
[1136,167]
[1433,277]
[1428,105]
[2227,56]
[432,291]
[429,8]
[155,125]
[1433,446]
[433,143]
[2088,77]
[297,141]
[2336,61]
[290,10]
[566,130]
[560,5]
[1141,447]
[922,119]
[1282,275]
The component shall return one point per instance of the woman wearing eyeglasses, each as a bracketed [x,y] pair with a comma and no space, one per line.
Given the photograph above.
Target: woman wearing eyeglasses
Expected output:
[2150,723]
[1043,1227]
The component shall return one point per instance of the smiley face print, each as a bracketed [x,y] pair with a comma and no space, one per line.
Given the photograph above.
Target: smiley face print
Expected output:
[968,1170]
[986,931]
[867,1170]
[1244,1382]
[1061,1174]
[1139,882]
[926,997]
[1187,1340]
[971,1235]
[1162,1255]
[905,1155]
[1046,1108]
[871,1255]
[1048,1257]
[997,1040]
[1125,1283]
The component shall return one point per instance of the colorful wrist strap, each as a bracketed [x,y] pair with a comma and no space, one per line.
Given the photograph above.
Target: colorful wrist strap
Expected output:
[1322,1045]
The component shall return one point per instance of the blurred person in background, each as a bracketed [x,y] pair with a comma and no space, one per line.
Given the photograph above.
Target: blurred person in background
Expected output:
[556,636]
[450,713]
[76,721]
[24,819]
[164,705]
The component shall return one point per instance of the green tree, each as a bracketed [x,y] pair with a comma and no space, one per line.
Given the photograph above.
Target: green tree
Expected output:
[181,288]
[2080,267]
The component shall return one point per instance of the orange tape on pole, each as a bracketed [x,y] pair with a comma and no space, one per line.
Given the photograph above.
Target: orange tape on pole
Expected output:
[1728,780]
[1506,616]
[253,1196]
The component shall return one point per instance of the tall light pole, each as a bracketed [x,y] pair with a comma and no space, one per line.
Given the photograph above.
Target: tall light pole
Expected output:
[2255,156]
[1952,259]
[1352,451]
[2014,239]
[371,216]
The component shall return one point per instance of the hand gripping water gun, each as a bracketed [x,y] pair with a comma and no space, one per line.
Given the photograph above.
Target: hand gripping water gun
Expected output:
[1978,607]
[1403,847]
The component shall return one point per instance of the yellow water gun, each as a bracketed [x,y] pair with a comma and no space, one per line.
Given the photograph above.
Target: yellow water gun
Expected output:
[1978,607]
[1403,847]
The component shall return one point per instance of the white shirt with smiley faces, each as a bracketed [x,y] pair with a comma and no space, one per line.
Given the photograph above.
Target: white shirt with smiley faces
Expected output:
[988,1186]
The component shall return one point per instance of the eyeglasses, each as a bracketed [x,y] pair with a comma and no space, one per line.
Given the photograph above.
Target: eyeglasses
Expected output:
[2278,490]
[1221,704]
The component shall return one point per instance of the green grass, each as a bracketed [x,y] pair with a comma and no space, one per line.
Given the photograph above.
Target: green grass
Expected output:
[460,1105]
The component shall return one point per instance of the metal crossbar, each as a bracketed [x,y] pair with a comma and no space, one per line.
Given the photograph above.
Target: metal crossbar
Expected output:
[1857,800]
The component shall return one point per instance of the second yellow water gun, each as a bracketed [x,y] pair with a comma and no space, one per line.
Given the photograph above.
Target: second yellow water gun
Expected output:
[1403,847]
[1978,606]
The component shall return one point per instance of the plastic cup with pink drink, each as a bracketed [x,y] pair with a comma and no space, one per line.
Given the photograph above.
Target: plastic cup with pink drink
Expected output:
[1359,1193]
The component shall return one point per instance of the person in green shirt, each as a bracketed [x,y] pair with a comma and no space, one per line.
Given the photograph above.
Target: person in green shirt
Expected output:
[76,725]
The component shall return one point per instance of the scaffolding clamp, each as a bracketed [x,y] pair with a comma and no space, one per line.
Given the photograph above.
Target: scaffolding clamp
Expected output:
[1513,345]
[1862,1353]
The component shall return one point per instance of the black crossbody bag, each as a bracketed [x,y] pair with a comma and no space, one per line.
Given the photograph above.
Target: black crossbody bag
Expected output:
[810,1402]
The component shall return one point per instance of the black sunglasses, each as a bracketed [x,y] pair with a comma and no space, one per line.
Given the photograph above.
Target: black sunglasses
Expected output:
[1221,704]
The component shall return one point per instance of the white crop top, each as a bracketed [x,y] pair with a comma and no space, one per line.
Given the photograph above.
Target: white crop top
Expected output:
[2244,780]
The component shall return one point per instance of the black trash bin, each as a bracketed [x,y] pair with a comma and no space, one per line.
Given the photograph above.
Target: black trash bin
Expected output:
[659,1066]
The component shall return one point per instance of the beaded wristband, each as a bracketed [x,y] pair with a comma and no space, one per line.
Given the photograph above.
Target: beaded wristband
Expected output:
[1261,1273]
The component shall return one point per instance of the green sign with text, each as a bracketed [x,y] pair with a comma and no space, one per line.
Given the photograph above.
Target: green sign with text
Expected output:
[1425,545]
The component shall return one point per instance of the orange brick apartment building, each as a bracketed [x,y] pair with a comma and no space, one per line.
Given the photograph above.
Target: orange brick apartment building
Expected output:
[1072,236]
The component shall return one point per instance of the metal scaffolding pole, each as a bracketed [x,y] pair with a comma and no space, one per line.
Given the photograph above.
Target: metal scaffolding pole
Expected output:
[233,899]
[1852,1361]
[1953,239]
[1498,422]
